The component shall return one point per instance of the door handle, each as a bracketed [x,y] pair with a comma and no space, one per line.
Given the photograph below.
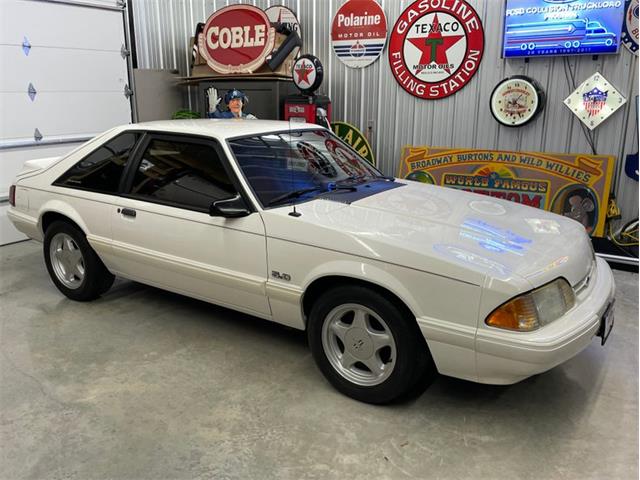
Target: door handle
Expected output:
[128,212]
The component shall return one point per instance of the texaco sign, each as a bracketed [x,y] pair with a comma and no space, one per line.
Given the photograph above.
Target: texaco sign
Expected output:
[436,47]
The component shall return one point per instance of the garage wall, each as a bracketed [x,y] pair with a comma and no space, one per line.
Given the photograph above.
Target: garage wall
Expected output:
[371,97]
[75,66]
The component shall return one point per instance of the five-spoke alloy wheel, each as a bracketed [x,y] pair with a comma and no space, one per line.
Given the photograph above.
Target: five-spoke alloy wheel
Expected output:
[73,265]
[367,346]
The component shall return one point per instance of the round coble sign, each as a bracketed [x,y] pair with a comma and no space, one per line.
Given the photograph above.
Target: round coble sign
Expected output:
[237,39]
[436,47]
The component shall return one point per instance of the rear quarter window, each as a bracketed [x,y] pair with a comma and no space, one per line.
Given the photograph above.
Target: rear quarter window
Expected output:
[101,170]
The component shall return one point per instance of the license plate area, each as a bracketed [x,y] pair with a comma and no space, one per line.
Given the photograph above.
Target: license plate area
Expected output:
[606,323]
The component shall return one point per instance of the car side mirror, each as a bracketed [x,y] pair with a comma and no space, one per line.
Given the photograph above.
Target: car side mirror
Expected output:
[234,207]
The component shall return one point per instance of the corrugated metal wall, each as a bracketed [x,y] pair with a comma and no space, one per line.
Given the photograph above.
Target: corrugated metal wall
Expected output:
[371,99]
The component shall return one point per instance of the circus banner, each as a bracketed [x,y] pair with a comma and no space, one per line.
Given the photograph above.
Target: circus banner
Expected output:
[576,186]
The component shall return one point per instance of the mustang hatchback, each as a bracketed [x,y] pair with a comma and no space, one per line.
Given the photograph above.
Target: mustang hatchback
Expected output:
[392,280]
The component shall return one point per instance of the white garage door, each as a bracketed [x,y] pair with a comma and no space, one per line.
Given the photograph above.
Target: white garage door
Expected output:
[63,81]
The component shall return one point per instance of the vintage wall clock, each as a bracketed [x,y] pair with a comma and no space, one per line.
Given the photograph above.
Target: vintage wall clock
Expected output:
[516,101]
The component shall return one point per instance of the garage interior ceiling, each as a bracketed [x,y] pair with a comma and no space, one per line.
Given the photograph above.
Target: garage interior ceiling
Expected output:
[371,99]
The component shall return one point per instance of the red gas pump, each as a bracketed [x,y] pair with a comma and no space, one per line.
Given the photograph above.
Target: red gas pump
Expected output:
[308,107]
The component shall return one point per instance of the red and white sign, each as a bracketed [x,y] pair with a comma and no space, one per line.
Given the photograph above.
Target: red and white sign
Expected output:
[359,32]
[436,47]
[237,39]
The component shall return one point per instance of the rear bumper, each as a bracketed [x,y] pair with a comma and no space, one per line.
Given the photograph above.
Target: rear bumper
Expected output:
[25,224]
[508,357]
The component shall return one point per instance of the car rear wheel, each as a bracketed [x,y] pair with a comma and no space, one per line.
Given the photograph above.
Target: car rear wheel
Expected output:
[73,265]
[366,346]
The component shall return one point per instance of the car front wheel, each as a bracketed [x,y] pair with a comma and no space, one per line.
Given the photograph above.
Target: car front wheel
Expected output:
[73,265]
[366,346]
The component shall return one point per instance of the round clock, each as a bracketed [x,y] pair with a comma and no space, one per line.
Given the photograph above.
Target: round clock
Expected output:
[516,101]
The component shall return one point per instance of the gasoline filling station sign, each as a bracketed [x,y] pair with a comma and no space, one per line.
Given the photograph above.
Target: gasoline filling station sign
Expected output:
[436,47]
[359,32]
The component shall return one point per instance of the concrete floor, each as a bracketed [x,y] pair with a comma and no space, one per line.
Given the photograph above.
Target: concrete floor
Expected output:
[144,384]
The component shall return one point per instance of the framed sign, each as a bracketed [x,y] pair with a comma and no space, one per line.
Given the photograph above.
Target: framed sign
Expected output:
[575,186]
[561,27]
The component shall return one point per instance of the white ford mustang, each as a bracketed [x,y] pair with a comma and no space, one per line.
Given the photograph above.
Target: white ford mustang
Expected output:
[392,280]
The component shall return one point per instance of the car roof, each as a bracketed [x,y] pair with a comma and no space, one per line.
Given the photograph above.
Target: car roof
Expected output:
[221,129]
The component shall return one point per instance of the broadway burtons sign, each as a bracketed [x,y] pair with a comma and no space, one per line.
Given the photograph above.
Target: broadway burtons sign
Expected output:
[576,186]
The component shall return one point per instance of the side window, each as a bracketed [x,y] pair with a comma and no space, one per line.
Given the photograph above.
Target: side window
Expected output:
[182,173]
[100,171]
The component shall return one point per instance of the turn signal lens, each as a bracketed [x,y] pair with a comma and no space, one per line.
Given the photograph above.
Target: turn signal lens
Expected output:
[534,309]
[12,195]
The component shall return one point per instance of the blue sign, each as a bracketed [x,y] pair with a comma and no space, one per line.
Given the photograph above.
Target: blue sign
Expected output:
[562,27]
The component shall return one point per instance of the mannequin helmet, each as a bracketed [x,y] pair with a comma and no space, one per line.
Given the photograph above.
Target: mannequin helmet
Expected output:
[235,93]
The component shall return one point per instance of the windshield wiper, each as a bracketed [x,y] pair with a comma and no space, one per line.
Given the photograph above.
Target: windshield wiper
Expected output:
[293,194]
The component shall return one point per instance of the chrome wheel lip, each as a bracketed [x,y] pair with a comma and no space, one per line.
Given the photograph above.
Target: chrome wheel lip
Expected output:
[367,339]
[67,261]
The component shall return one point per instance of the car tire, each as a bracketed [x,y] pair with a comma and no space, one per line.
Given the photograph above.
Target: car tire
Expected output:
[72,264]
[367,347]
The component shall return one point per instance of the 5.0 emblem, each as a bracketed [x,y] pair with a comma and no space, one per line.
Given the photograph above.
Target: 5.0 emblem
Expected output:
[281,276]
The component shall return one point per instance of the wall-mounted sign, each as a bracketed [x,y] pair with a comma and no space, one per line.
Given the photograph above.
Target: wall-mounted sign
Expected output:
[561,27]
[359,32]
[307,74]
[436,47]
[594,101]
[576,186]
[285,22]
[516,101]
[237,39]
[355,138]
[630,26]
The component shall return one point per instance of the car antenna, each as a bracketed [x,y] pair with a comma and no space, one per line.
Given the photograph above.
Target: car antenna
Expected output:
[293,213]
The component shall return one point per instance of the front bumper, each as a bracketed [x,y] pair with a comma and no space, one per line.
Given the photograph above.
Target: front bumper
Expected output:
[507,357]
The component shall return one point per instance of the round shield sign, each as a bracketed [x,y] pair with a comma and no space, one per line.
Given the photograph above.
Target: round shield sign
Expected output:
[237,39]
[630,26]
[359,32]
[436,47]
[307,74]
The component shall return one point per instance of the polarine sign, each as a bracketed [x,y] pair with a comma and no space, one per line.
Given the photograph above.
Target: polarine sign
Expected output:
[436,47]
[576,186]
[359,32]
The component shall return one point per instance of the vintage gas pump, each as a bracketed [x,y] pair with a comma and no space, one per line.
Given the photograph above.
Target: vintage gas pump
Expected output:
[308,107]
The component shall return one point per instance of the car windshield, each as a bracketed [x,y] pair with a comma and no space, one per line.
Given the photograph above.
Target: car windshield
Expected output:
[299,165]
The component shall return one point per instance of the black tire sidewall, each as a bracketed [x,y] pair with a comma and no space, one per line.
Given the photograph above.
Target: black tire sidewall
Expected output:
[411,351]
[96,276]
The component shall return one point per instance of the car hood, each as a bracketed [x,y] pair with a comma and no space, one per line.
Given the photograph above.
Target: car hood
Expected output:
[443,231]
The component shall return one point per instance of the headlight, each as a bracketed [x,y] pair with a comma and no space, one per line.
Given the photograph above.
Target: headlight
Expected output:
[534,309]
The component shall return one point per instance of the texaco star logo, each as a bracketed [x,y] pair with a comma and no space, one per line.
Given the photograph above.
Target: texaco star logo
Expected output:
[436,47]
[305,73]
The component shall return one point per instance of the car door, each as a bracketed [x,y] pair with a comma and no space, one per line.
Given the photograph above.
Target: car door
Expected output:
[163,233]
